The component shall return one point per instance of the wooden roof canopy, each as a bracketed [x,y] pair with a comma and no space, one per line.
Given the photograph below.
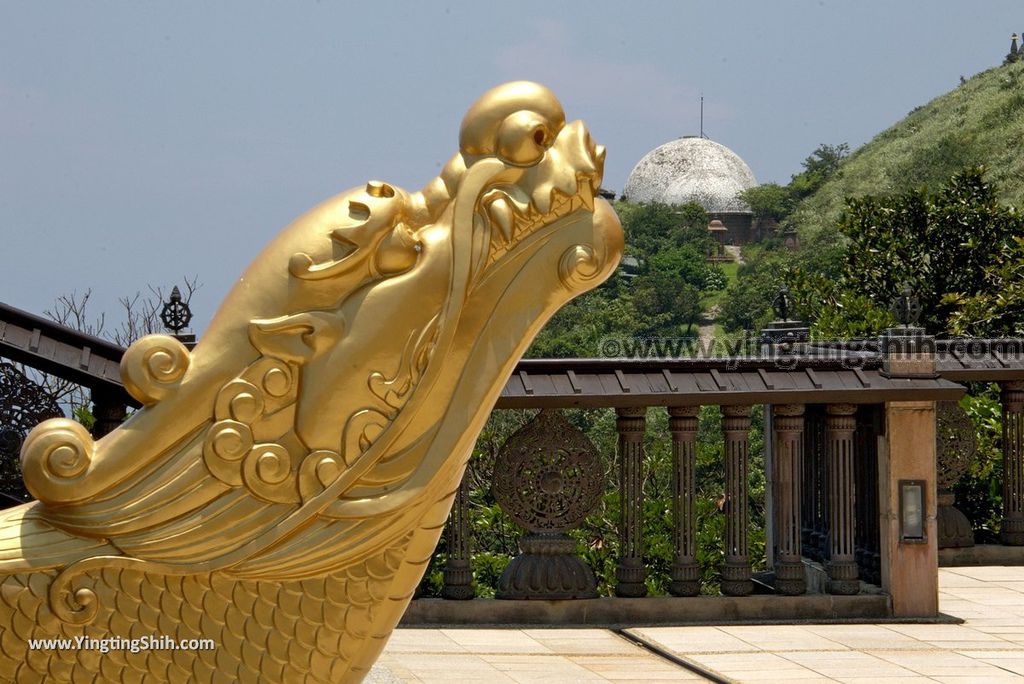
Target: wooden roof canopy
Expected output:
[56,349]
[599,383]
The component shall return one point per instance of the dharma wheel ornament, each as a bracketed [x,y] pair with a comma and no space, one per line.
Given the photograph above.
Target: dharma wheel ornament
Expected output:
[176,314]
[547,479]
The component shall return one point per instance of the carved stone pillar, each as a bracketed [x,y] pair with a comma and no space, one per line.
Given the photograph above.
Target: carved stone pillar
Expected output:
[630,572]
[736,569]
[682,422]
[109,412]
[840,423]
[1012,532]
[458,573]
[865,470]
[788,456]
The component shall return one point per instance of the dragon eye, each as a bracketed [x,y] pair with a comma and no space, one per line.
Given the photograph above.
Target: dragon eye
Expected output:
[521,138]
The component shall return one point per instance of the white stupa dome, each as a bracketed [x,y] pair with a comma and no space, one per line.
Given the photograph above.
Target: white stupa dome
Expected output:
[691,169]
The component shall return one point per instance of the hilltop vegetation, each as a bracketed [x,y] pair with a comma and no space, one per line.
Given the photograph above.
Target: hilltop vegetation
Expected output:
[928,202]
[980,123]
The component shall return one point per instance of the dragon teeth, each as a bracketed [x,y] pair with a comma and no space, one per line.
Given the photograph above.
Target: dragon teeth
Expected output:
[586,195]
[501,216]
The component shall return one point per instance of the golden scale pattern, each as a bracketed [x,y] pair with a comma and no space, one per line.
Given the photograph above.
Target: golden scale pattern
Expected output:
[300,631]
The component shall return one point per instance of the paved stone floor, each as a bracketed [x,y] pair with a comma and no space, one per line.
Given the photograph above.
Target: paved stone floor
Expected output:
[988,647]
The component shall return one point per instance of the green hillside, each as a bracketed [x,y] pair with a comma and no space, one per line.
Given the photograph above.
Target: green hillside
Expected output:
[979,123]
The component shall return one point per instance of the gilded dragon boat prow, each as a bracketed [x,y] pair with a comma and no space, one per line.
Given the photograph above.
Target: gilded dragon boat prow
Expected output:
[286,482]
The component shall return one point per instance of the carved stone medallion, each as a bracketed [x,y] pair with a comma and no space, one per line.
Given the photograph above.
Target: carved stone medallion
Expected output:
[548,477]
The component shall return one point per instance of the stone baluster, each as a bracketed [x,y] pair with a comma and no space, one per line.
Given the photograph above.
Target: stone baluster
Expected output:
[683,423]
[788,456]
[820,492]
[866,486]
[630,573]
[736,569]
[840,423]
[808,494]
[1012,532]
[458,573]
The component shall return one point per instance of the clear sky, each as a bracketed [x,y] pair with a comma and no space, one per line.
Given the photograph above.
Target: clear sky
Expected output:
[143,141]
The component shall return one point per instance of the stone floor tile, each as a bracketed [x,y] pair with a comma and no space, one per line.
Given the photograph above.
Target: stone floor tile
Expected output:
[601,647]
[863,637]
[942,633]
[951,579]
[782,638]
[390,670]
[423,664]
[1014,665]
[568,633]
[530,677]
[938,663]
[987,573]
[681,640]
[555,667]
[868,679]
[645,668]
[793,674]
[848,664]
[422,641]
[741,661]
[444,668]
[787,680]
[495,641]
[1007,625]
[971,679]
[465,678]
[1005,644]
[583,641]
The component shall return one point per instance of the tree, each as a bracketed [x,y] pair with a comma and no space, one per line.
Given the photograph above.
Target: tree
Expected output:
[998,307]
[774,201]
[821,165]
[769,201]
[649,228]
[951,247]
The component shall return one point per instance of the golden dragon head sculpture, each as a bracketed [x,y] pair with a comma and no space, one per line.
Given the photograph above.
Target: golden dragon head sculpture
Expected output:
[291,474]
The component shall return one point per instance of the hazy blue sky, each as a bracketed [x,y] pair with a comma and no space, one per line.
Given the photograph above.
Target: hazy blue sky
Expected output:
[143,141]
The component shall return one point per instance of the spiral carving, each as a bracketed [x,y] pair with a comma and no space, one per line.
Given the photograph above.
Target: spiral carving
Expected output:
[578,266]
[54,458]
[239,400]
[76,608]
[267,474]
[226,443]
[153,367]
[73,606]
[318,470]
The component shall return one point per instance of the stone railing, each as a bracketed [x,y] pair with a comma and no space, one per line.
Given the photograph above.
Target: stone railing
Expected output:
[837,450]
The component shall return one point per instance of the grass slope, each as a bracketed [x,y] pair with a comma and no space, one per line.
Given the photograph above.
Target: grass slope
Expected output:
[980,123]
